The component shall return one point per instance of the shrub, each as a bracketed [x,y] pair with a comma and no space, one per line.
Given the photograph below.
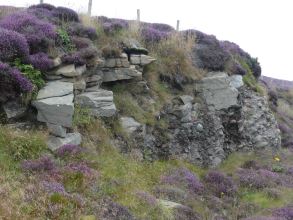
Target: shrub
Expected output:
[110,52]
[237,69]
[12,45]
[81,42]
[43,14]
[69,150]
[41,61]
[39,34]
[73,58]
[152,35]
[257,179]
[88,53]
[65,14]
[285,212]
[64,40]
[161,27]
[113,26]
[183,177]
[44,6]
[12,82]
[220,184]
[80,30]
[53,187]
[35,76]
[42,164]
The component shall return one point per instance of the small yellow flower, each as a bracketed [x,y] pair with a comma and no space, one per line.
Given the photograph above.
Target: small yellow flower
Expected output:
[276,158]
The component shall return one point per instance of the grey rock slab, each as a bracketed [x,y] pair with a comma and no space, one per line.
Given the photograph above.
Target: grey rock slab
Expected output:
[186,99]
[55,89]
[217,91]
[57,62]
[141,59]
[99,102]
[56,110]
[129,124]
[14,109]
[57,130]
[236,81]
[69,71]
[55,143]
[116,74]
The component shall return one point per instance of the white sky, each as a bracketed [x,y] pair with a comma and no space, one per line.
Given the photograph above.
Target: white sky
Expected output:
[264,28]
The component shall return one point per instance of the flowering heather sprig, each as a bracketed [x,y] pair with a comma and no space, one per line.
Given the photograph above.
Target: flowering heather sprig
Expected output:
[290,171]
[38,33]
[257,178]
[43,14]
[264,218]
[183,177]
[44,163]
[285,212]
[65,14]
[12,45]
[41,61]
[69,150]
[220,184]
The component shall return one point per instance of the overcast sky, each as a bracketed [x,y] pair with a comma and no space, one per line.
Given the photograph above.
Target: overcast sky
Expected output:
[264,28]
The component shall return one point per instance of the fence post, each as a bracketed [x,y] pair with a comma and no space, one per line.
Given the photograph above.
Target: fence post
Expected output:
[177,26]
[138,15]
[89,11]
[41,1]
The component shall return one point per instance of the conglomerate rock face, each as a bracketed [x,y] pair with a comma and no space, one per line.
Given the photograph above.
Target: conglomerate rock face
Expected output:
[224,120]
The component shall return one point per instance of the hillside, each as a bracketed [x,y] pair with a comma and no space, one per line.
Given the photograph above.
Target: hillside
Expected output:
[113,119]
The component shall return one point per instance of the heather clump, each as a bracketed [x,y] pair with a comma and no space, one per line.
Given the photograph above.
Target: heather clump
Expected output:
[41,61]
[44,163]
[65,14]
[257,179]
[12,83]
[12,45]
[284,212]
[78,29]
[38,33]
[69,150]
[220,184]
[183,178]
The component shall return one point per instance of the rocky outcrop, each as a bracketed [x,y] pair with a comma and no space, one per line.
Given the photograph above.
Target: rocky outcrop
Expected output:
[228,117]
[55,143]
[130,125]
[116,74]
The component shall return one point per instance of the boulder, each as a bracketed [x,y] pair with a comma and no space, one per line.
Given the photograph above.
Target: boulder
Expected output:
[56,110]
[130,125]
[116,74]
[94,79]
[141,60]
[55,89]
[217,91]
[55,143]
[57,62]
[69,71]
[99,102]
[132,46]
[14,109]
[57,130]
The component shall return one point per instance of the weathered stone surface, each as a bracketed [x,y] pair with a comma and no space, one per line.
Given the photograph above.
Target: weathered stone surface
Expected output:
[100,102]
[80,70]
[14,109]
[141,60]
[56,110]
[130,125]
[236,81]
[57,62]
[94,79]
[117,62]
[69,71]
[56,142]
[117,74]
[186,99]
[132,46]
[57,130]
[80,85]
[55,89]
[217,91]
